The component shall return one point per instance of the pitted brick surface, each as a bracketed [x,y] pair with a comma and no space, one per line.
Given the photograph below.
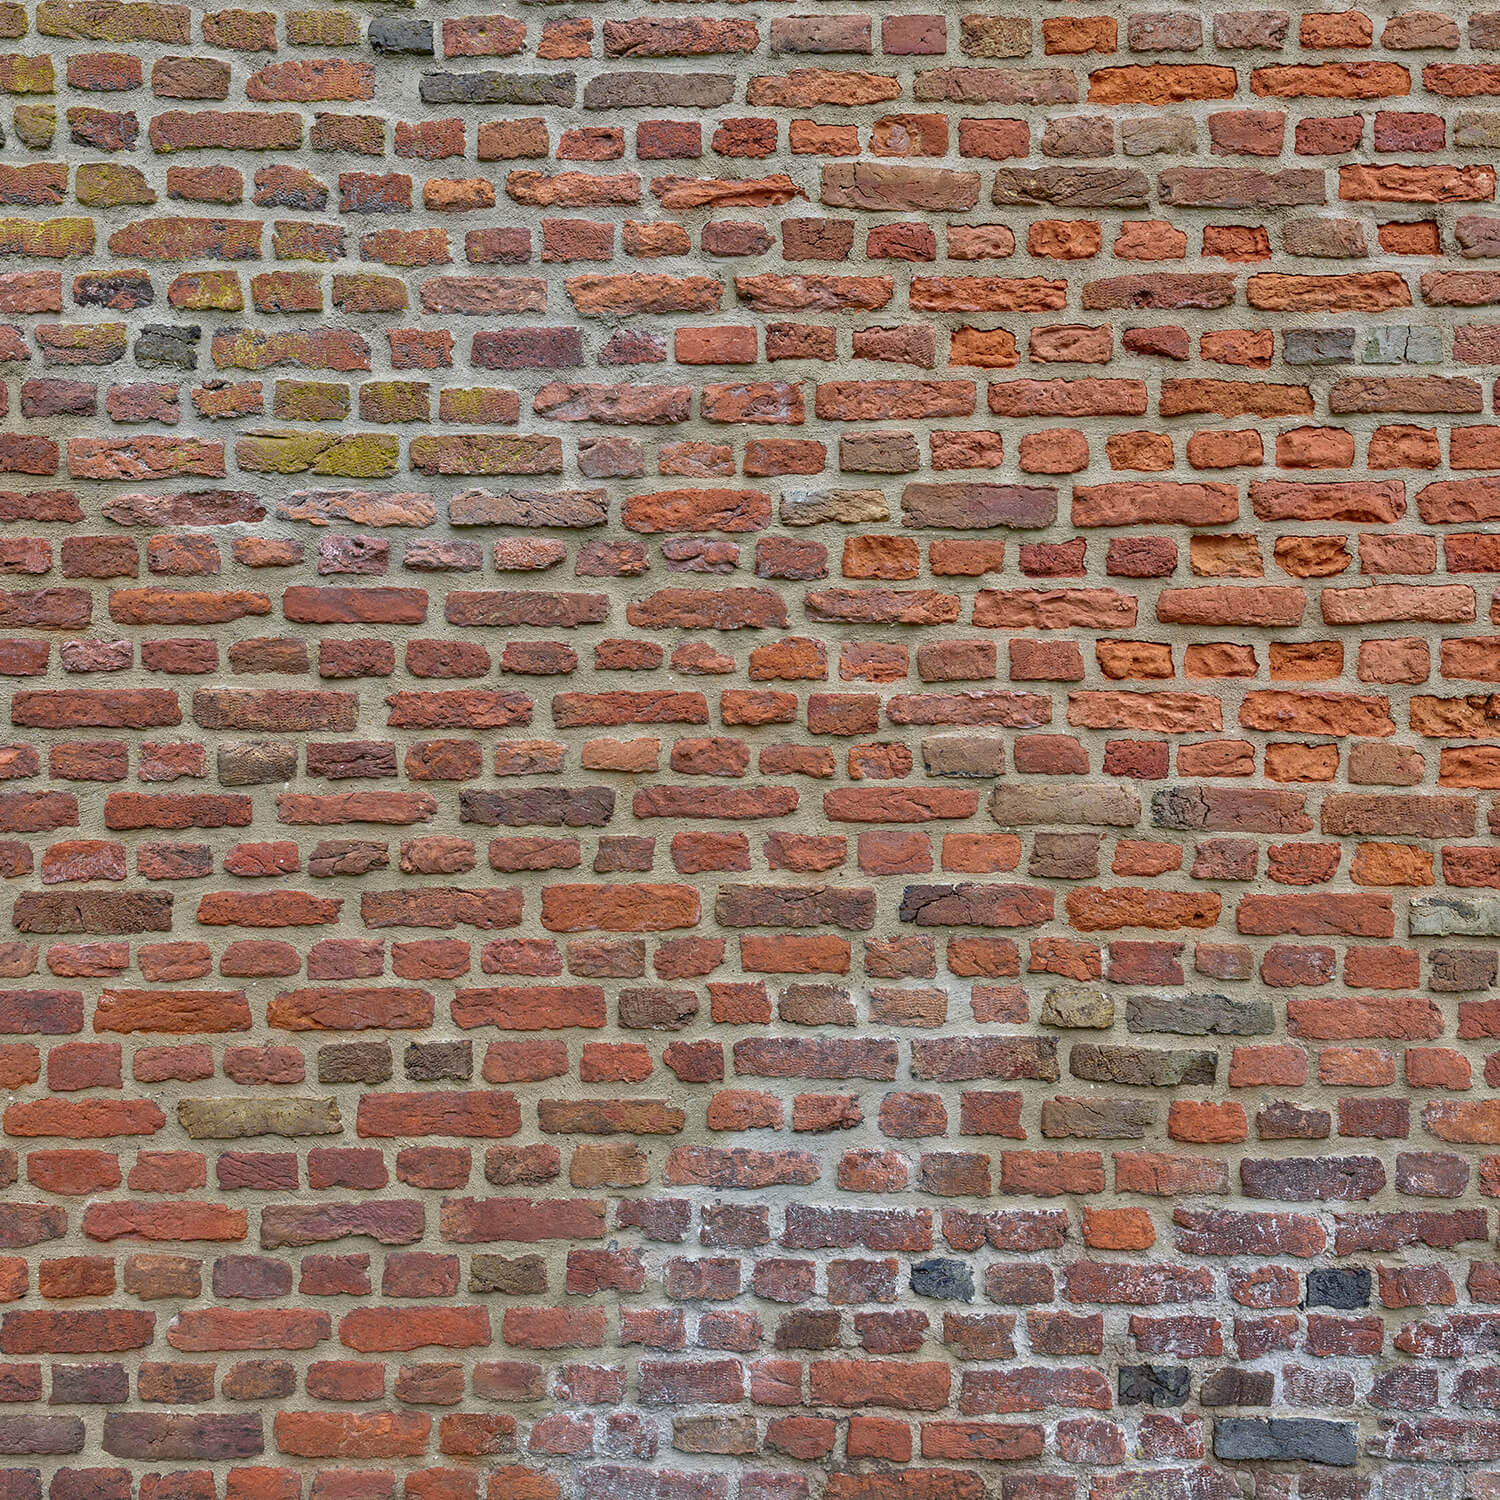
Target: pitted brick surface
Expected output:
[751,752]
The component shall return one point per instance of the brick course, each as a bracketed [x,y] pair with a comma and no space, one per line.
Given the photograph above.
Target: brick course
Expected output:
[752,755]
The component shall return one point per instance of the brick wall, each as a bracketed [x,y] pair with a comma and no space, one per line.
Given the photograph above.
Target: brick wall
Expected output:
[751,753]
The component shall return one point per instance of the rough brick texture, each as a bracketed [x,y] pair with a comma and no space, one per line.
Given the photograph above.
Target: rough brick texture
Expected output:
[753,752]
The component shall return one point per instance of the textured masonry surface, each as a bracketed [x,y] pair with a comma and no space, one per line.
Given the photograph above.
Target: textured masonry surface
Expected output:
[751,752]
